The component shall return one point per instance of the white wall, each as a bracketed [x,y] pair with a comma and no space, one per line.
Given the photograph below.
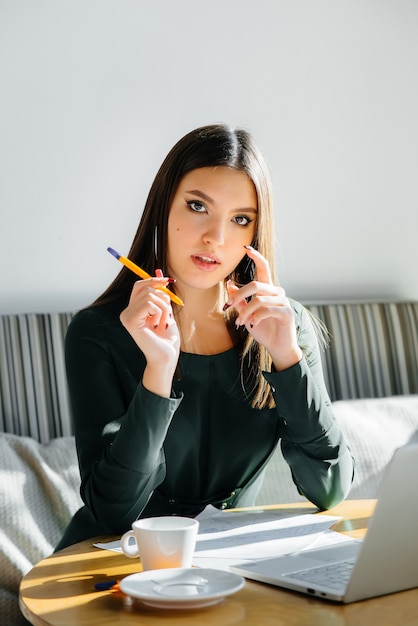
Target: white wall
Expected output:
[95,92]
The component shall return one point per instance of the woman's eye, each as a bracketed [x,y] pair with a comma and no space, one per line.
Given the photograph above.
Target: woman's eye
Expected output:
[242,220]
[196,206]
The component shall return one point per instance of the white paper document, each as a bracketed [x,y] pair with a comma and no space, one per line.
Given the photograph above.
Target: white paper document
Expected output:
[229,537]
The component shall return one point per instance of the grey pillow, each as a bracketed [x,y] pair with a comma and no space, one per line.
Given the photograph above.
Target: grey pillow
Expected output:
[39,493]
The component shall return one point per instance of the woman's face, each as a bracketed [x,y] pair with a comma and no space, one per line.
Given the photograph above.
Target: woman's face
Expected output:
[211,219]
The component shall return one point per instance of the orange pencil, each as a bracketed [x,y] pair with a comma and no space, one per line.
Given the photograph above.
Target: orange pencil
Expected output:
[143,274]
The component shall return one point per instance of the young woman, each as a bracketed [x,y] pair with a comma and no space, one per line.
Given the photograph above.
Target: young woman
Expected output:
[179,407]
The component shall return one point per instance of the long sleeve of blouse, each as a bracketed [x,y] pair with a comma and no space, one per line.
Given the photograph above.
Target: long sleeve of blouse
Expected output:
[311,441]
[120,427]
[137,451]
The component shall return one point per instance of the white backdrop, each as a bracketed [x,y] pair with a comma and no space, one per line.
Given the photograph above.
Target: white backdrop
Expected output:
[95,92]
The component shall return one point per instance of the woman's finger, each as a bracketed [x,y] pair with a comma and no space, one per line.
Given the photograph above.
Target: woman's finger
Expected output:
[261,264]
[266,308]
[232,291]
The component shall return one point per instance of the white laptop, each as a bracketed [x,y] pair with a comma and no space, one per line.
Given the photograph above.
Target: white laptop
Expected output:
[386,560]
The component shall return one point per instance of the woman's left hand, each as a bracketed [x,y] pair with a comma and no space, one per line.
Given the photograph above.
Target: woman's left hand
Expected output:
[268,315]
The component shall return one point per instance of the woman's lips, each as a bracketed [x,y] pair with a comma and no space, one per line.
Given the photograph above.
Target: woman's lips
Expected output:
[205,262]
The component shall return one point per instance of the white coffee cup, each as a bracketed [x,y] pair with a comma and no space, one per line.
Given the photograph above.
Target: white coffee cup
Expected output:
[160,542]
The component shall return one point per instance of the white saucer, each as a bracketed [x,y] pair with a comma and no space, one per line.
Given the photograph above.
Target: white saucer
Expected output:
[179,588]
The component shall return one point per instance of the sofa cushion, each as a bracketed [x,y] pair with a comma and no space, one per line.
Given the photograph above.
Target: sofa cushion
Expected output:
[33,386]
[373,427]
[39,493]
[373,348]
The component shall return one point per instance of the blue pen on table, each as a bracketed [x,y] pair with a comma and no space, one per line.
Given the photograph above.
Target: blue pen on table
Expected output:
[107,585]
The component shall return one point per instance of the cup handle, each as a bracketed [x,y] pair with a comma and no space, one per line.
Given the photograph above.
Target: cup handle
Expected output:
[131,550]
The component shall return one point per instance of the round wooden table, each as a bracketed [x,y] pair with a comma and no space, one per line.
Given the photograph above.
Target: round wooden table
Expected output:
[59,591]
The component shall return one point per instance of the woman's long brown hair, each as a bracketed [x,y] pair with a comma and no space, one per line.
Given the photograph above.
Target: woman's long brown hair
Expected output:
[208,146]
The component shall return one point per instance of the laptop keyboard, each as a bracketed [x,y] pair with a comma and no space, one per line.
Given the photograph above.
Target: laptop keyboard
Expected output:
[332,575]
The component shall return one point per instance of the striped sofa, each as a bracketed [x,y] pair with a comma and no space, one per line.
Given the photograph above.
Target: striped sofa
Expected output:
[371,370]
[372,353]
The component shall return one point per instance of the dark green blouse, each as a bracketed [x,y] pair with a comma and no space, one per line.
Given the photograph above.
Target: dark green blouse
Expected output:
[141,454]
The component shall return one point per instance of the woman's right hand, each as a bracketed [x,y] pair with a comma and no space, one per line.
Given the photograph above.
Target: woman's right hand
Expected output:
[149,320]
